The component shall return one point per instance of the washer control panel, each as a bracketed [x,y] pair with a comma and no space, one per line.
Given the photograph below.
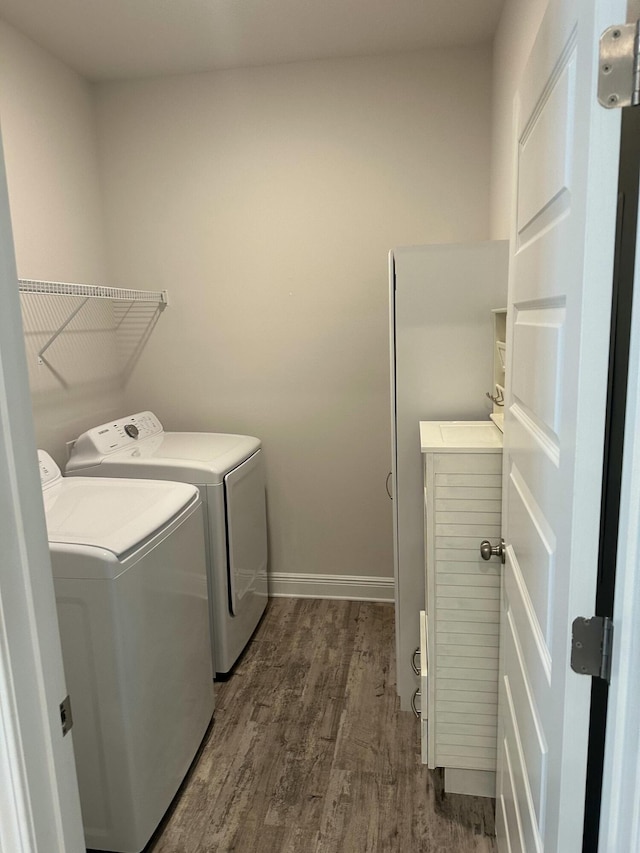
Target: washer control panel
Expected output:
[117,435]
[49,471]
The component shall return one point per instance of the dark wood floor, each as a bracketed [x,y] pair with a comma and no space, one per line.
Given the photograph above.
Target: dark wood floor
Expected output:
[309,752]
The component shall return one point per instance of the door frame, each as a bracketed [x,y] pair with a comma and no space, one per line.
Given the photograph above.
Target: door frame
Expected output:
[36,761]
[619,809]
[621,325]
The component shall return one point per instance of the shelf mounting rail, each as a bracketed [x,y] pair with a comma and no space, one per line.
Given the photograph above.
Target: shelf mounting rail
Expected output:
[87,292]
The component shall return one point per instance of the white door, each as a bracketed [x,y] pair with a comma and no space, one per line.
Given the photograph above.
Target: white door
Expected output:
[565,168]
[39,803]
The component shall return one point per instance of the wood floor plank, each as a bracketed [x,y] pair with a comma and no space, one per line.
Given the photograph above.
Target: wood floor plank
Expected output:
[309,752]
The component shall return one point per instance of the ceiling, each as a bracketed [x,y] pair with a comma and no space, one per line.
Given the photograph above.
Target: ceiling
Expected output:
[111,39]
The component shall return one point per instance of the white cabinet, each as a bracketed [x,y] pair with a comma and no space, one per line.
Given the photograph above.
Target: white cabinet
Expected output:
[462,506]
[440,301]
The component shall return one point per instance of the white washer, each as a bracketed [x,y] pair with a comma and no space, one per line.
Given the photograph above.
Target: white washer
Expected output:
[131,592]
[229,471]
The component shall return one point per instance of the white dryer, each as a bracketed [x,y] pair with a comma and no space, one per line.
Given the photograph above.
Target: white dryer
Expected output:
[229,471]
[131,593]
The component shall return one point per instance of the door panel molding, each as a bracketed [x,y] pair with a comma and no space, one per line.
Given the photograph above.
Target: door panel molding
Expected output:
[563,226]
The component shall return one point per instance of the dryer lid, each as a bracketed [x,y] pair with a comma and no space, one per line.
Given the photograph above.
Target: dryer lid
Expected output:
[115,515]
[192,457]
[214,452]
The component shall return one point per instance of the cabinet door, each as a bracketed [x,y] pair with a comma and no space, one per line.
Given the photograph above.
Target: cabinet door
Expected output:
[465,598]
[424,691]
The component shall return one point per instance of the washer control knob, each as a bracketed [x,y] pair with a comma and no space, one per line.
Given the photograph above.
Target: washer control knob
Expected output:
[132,430]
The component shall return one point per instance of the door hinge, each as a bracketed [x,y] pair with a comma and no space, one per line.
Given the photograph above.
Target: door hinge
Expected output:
[619,69]
[591,643]
[66,718]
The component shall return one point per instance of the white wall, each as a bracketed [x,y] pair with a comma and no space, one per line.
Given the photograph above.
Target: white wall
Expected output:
[266,201]
[512,44]
[48,126]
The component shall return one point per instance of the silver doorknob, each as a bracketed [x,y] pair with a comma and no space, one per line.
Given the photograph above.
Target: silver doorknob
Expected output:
[487,550]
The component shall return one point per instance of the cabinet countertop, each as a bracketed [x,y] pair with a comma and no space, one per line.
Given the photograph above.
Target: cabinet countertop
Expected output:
[459,436]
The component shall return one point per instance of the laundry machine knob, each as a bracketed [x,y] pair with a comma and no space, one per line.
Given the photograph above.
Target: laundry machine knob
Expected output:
[131,430]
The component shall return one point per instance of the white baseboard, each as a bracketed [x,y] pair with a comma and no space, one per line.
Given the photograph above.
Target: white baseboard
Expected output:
[350,587]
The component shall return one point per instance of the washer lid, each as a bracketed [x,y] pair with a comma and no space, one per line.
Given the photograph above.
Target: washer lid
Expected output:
[116,515]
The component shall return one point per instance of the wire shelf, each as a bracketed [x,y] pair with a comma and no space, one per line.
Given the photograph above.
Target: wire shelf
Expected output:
[87,292]
[60,288]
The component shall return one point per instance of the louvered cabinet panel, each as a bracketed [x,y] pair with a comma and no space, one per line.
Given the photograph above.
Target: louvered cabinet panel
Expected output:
[462,506]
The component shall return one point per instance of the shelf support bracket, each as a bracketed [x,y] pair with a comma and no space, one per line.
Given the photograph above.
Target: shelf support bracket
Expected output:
[61,329]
